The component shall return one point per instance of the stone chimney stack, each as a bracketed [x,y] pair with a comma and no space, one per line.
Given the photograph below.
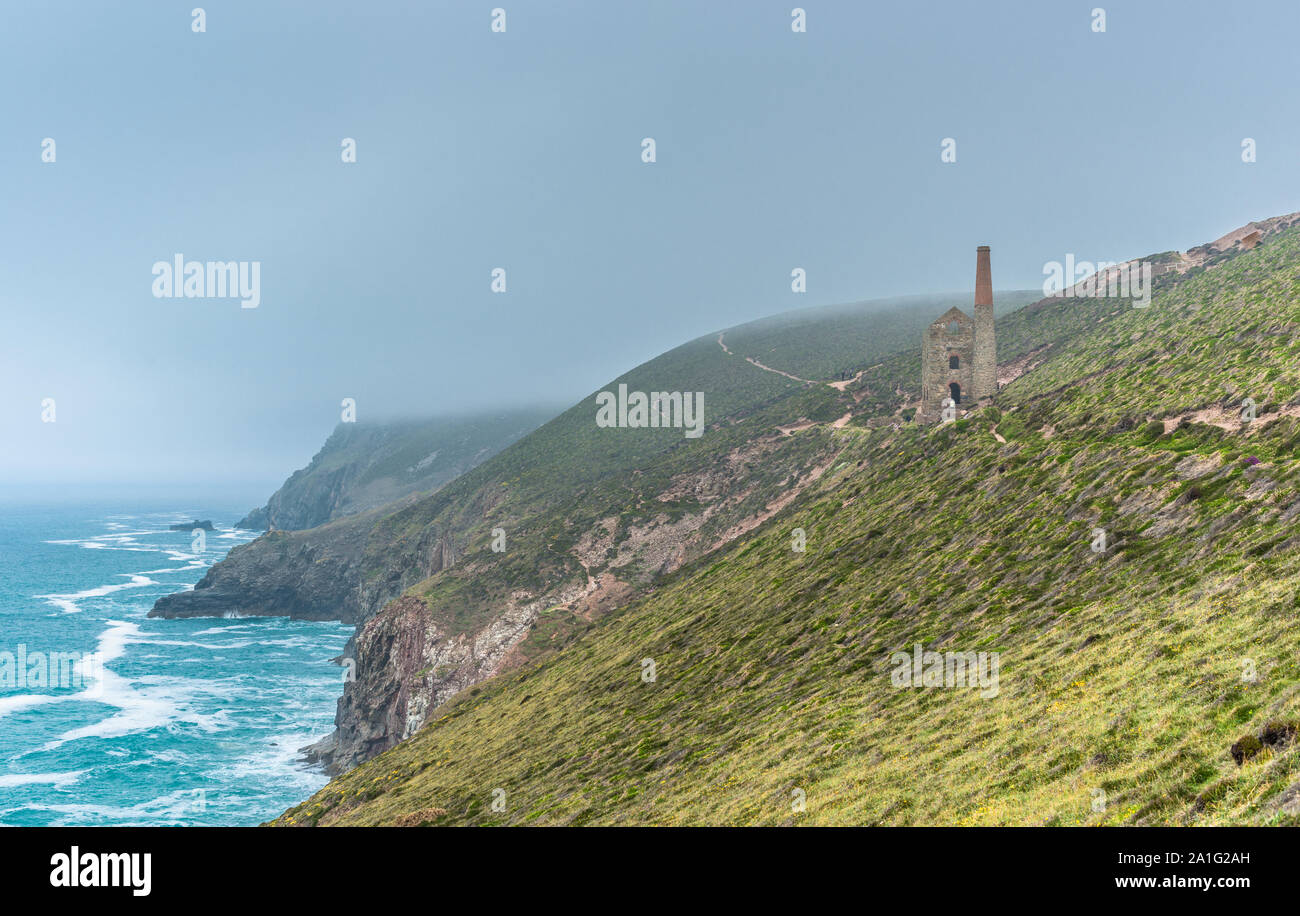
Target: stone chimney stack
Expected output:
[983,277]
[985,381]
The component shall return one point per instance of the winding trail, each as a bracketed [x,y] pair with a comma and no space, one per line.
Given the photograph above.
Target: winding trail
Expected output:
[844,383]
[754,362]
[1007,373]
[803,423]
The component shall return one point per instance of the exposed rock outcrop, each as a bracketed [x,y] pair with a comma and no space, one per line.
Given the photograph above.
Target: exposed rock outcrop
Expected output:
[408,665]
[415,653]
[309,575]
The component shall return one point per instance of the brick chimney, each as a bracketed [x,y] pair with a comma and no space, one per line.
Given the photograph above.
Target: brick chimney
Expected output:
[983,277]
[985,376]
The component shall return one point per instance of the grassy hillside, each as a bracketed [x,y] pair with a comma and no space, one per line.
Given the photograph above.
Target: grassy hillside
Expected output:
[591,518]
[1128,677]
[556,484]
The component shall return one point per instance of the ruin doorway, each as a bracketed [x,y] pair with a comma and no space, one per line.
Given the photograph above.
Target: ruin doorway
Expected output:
[955,391]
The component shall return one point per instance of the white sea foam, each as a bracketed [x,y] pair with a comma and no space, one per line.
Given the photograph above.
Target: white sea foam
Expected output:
[110,645]
[116,540]
[242,692]
[68,603]
[163,704]
[197,564]
[185,806]
[11,780]
[216,647]
[229,628]
[279,759]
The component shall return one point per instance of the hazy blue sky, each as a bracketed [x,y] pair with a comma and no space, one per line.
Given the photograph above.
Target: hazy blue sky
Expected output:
[522,150]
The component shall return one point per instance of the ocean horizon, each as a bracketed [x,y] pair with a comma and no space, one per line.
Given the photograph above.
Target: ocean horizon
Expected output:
[109,718]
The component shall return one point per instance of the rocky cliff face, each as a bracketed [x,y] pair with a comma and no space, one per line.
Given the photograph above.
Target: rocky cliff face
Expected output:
[309,498]
[309,565]
[409,666]
[310,575]
[470,616]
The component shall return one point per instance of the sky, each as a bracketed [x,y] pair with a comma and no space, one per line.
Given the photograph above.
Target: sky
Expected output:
[522,150]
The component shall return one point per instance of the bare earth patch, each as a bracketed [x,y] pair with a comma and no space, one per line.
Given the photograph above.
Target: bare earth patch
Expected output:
[1229,418]
[1009,372]
[803,423]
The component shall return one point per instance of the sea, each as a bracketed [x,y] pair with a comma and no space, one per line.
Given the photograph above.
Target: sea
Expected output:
[108,718]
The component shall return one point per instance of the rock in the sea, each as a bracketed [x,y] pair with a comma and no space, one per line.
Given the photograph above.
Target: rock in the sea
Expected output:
[190,526]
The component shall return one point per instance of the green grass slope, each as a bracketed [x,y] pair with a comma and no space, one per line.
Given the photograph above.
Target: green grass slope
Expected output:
[592,518]
[552,487]
[1128,677]
[555,484]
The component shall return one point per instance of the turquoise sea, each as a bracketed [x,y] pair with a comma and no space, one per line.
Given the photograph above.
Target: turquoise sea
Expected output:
[110,718]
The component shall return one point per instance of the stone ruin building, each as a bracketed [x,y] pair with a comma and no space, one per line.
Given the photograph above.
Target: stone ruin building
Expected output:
[958,353]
